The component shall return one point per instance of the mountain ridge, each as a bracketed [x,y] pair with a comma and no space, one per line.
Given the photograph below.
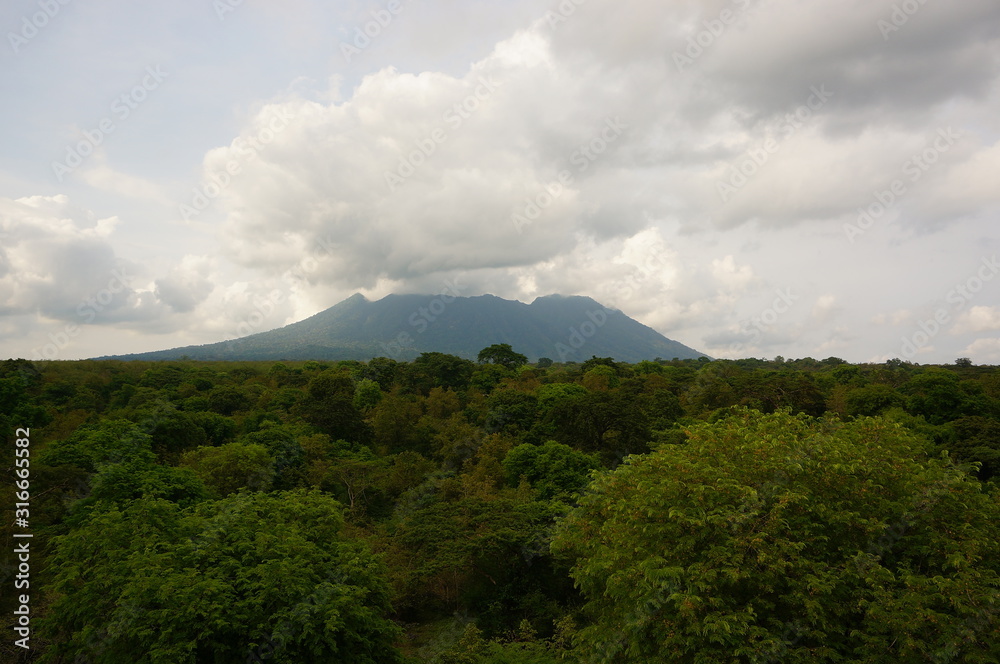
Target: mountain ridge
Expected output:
[564,328]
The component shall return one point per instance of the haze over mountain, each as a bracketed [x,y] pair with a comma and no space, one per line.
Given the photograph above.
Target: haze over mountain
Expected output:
[403,326]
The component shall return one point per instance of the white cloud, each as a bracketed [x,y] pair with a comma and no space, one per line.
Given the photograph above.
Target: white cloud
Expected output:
[735,277]
[55,256]
[983,351]
[895,318]
[100,175]
[978,319]
[493,114]
[825,308]
[187,285]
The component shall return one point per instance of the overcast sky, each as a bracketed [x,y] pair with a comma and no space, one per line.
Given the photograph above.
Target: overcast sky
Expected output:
[750,178]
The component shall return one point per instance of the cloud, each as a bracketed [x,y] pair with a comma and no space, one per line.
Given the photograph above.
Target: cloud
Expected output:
[895,318]
[187,285]
[418,173]
[978,319]
[825,308]
[58,262]
[559,153]
[735,277]
[983,351]
[55,256]
[414,174]
[99,175]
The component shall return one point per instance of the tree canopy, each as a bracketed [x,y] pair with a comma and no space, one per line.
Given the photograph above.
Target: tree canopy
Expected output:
[503,355]
[728,510]
[253,577]
[773,537]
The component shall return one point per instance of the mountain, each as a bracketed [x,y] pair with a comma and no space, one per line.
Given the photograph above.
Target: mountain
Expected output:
[403,326]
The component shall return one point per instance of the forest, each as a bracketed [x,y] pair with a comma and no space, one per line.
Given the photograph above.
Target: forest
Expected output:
[497,511]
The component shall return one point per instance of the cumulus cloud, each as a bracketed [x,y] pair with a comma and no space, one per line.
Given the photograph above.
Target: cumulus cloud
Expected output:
[187,285]
[412,174]
[978,319]
[55,256]
[682,161]
[984,351]
[58,262]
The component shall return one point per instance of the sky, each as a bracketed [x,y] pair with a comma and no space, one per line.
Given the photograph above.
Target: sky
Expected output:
[752,178]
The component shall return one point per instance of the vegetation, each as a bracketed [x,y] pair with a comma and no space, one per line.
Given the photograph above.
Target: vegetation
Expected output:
[458,512]
[790,539]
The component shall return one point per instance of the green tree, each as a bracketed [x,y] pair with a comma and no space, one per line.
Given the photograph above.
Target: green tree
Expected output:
[393,424]
[511,411]
[254,577]
[872,400]
[382,370]
[609,423]
[782,538]
[438,370]
[600,377]
[289,457]
[110,441]
[218,429]
[367,394]
[18,378]
[231,467]
[329,406]
[503,355]
[977,439]
[486,377]
[470,554]
[228,399]
[120,483]
[553,394]
[937,394]
[553,469]
[595,361]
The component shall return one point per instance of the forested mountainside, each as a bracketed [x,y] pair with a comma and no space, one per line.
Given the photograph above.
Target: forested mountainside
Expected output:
[401,327]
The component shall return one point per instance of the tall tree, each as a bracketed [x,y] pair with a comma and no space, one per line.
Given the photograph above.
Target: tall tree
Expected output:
[782,538]
[254,577]
[503,355]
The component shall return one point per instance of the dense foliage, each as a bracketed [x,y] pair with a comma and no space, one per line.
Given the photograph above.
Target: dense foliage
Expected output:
[451,511]
[792,540]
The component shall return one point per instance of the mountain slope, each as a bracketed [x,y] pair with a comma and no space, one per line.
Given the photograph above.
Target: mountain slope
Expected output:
[403,326]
